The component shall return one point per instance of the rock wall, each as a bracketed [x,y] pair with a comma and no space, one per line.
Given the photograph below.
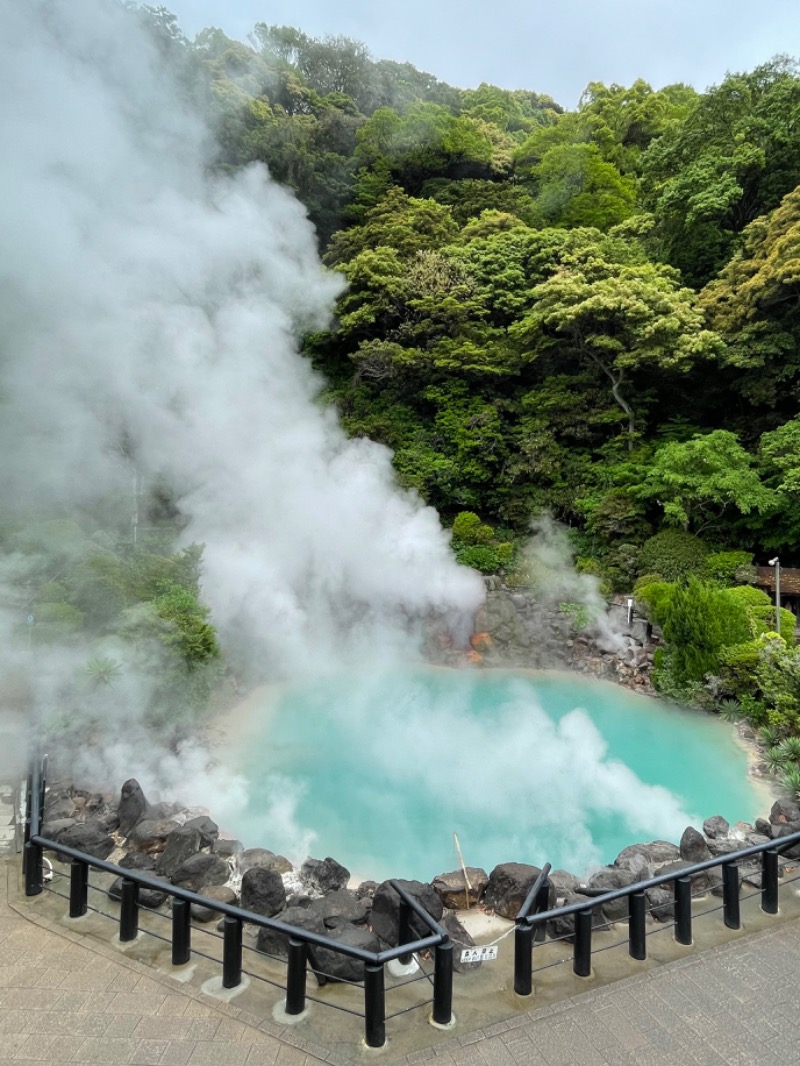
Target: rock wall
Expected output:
[514,629]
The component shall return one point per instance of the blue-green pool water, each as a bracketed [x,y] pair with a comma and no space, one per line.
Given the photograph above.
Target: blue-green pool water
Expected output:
[380,771]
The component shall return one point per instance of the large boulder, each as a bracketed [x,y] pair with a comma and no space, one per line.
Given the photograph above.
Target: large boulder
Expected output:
[643,860]
[218,893]
[453,891]
[148,897]
[272,942]
[150,835]
[53,829]
[201,870]
[385,913]
[324,875]
[461,939]
[339,907]
[329,965]
[563,926]
[132,806]
[509,885]
[58,804]
[227,849]
[693,846]
[208,829]
[250,858]
[183,842]
[778,831]
[90,837]
[784,811]
[263,891]
[609,879]
[717,827]
[137,860]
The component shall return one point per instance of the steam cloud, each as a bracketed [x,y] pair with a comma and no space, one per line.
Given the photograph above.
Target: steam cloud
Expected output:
[150,316]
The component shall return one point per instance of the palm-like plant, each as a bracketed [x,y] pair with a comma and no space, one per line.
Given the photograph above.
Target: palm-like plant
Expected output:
[103,671]
[791,781]
[775,761]
[790,748]
[730,710]
[769,735]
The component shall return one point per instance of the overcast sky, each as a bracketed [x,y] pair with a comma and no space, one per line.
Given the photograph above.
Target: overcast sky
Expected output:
[552,46]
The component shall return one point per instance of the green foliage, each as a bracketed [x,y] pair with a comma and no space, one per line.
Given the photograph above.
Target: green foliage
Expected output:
[673,554]
[480,557]
[645,580]
[103,671]
[468,528]
[578,614]
[725,566]
[193,636]
[654,598]
[694,632]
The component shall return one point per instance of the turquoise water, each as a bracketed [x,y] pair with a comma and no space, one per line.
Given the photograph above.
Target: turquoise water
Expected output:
[380,772]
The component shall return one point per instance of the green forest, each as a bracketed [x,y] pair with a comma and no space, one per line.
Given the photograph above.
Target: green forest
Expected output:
[590,313]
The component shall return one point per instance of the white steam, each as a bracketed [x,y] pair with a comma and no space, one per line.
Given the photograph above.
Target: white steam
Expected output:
[150,317]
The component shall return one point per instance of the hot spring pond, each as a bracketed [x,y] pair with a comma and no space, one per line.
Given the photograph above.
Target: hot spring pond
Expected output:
[380,772]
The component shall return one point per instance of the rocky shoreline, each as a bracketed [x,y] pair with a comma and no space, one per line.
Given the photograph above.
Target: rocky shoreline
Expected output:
[183,847]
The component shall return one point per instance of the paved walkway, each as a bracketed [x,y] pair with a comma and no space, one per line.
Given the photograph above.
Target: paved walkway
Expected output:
[67,999]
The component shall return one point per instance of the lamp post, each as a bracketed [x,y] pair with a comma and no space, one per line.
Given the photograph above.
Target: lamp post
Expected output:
[777,564]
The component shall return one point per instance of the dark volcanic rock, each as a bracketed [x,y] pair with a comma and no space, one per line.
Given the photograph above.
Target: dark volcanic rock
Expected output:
[150,836]
[509,884]
[201,870]
[384,916]
[263,891]
[52,830]
[132,806]
[339,907]
[219,893]
[148,897]
[564,924]
[325,875]
[779,831]
[329,965]
[644,859]
[182,843]
[89,837]
[609,879]
[252,858]
[461,939]
[137,860]
[453,891]
[208,829]
[275,943]
[693,847]
[784,811]
[227,849]
[58,804]
[716,827]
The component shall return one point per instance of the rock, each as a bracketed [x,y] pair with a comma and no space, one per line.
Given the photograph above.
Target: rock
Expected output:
[268,860]
[384,916]
[452,888]
[220,893]
[132,806]
[272,942]
[227,849]
[58,804]
[461,939]
[89,837]
[609,879]
[784,811]
[563,926]
[509,885]
[661,902]
[653,855]
[263,891]
[716,827]
[150,836]
[208,829]
[338,907]
[693,847]
[563,882]
[366,890]
[148,897]
[325,875]
[329,965]
[778,831]
[201,870]
[137,860]
[181,843]
[52,830]
[702,882]
[763,826]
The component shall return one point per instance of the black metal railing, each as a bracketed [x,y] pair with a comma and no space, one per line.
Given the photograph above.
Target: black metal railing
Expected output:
[534,913]
[300,941]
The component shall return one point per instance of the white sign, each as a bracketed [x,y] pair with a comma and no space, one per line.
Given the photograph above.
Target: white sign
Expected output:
[479,954]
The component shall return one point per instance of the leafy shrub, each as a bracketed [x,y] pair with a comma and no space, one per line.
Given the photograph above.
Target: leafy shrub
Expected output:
[764,621]
[749,596]
[654,598]
[695,631]
[738,664]
[578,613]
[479,557]
[644,580]
[724,566]
[469,529]
[674,554]
[56,622]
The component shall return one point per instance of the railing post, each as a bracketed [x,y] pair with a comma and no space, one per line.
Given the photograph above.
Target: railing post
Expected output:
[540,906]
[129,910]
[443,983]
[582,962]
[730,895]
[27,832]
[78,888]
[34,876]
[769,881]
[232,952]
[637,939]
[296,977]
[181,932]
[374,1006]
[523,958]
[404,929]
[683,910]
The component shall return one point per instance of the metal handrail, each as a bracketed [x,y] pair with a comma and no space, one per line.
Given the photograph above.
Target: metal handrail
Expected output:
[234,917]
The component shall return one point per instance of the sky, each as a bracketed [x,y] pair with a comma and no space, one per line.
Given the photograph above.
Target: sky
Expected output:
[550,47]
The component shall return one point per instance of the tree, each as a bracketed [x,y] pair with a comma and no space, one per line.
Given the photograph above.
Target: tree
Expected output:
[696,481]
[619,316]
